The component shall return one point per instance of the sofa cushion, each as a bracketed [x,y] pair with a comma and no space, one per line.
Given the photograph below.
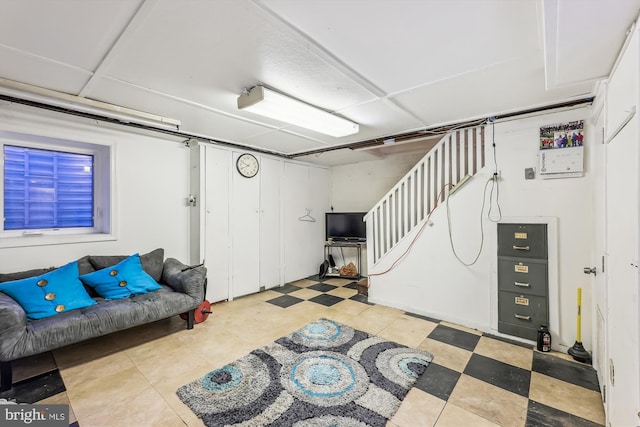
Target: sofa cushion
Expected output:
[84,265]
[152,262]
[8,277]
[122,280]
[50,293]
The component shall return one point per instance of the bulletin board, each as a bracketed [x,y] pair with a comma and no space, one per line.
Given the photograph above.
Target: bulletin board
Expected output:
[562,150]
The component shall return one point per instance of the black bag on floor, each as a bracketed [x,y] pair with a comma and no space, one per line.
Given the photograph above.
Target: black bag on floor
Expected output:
[324,268]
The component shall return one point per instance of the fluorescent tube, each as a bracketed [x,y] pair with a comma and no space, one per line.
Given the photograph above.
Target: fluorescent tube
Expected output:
[274,105]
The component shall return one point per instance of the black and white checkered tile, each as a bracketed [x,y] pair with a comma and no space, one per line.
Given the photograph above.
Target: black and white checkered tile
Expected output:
[441,381]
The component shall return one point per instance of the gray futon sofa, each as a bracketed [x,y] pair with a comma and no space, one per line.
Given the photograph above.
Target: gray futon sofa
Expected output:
[181,290]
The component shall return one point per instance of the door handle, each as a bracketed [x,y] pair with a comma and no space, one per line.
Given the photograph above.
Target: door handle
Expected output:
[590,270]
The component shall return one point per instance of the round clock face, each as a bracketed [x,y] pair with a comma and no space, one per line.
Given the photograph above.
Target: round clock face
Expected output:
[248,165]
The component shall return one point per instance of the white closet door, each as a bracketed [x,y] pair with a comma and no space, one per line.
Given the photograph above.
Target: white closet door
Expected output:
[270,246]
[245,232]
[622,191]
[216,227]
[305,188]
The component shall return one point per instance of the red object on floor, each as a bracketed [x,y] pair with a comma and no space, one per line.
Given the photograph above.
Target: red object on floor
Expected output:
[201,313]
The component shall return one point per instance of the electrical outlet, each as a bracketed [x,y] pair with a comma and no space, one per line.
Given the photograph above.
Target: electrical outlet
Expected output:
[529,173]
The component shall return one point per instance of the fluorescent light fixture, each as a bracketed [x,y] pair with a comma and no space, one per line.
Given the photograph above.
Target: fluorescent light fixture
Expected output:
[274,105]
[84,105]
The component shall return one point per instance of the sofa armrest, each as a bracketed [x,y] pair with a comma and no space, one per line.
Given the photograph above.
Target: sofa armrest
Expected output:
[182,278]
[13,324]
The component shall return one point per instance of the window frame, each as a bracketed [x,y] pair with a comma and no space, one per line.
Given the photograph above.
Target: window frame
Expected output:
[103,201]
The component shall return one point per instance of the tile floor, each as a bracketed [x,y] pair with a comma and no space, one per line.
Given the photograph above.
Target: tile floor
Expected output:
[129,378]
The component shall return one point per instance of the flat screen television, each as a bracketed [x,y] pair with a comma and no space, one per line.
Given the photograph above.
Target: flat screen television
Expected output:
[345,226]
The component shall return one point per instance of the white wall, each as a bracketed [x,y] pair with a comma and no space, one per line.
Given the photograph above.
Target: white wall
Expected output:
[358,187]
[431,281]
[151,180]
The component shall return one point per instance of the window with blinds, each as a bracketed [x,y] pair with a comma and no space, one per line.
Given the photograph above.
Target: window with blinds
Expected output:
[47,189]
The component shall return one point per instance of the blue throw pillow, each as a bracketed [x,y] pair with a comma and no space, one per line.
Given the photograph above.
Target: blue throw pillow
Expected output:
[49,294]
[125,279]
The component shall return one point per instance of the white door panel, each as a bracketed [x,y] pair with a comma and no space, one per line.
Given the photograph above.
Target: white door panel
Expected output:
[216,234]
[245,232]
[270,256]
[622,277]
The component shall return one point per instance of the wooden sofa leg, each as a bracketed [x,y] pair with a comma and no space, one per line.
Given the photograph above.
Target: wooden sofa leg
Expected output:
[6,376]
[190,318]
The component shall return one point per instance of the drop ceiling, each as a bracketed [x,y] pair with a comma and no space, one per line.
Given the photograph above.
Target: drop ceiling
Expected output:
[393,66]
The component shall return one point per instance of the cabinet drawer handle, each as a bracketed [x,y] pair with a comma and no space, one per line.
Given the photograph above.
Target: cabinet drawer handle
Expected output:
[522,285]
[521,317]
[520,248]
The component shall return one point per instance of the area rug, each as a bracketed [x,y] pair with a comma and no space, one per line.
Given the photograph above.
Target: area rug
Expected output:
[325,374]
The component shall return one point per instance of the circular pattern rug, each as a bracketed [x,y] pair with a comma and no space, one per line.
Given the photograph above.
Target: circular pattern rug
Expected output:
[324,374]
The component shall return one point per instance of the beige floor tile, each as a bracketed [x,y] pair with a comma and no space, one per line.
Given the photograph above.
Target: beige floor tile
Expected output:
[149,332]
[375,319]
[567,397]
[159,369]
[304,283]
[446,355]
[505,352]
[60,399]
[408,330]
[108,376]
[305,294]
[160,348]
[95,369]
[307,311]
[454,416]
[462,328]
[109,391]
[503,408]
[418,409]
[168,391]
[86,351]
[148,408]
[342,292]
[267,294]
[338,281]
[350,307]
[341,317]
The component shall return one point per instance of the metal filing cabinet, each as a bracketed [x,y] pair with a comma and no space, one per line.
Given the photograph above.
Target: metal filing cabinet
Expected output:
[523,284]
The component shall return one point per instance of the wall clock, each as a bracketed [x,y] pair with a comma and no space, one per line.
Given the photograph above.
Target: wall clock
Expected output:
[247,165]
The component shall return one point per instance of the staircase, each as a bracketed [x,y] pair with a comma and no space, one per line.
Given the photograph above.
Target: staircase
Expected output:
[408,204]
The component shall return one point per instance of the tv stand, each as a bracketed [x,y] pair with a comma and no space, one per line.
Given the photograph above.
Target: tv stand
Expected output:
[345,244]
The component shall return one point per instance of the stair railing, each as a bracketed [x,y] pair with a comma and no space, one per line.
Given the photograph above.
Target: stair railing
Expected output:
[409,202]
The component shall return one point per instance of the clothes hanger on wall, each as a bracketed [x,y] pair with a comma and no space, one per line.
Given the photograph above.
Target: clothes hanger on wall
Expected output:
[307,217]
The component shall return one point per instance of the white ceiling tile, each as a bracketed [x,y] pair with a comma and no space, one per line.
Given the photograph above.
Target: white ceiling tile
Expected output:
[73,32]
[583,30]
[20,66]
[221,48]
[282,142]
[393,66]
[339,157]
[401,44]
[510,87]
